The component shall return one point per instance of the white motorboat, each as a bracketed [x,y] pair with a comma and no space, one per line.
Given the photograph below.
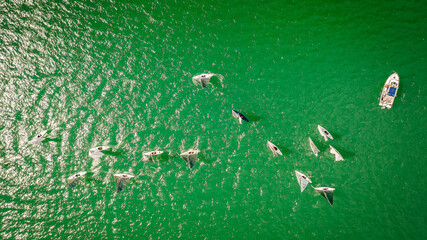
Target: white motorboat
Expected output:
[389,91]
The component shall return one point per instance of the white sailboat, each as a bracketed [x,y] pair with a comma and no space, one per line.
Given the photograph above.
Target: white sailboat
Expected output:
[121,180]
[303,180]
[389,91]
[39,138]
[276,151]
[74,180]
[327,193]
[100,148]
[338,156]
[98,152]
[324,133]
[205,78]
[313,147]
[149,155]
[190,157]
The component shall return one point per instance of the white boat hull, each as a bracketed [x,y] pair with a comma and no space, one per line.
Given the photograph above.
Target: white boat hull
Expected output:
[153,153]
[303,180]
[327,193]
[276,151]
[313,147]
[190,157]
[338,156]
[327,135]
[121,180]
[203,79]
[100,148]
[389,91]
[39,138]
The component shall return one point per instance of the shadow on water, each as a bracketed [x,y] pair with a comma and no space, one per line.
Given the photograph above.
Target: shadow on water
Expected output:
[284,150]
[165,157]
[336,135]
[204,159]
[216,82]
[57,140]
[345,154]
[113,153]
[161,158]
[91,177]
[322,146]
[253,118]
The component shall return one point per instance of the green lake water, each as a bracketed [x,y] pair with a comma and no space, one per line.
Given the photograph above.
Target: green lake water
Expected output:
[118,74]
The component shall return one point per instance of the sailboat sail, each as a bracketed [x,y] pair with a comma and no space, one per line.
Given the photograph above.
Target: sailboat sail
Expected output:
[303,180]
[39,138]
[121,181]
[313,147]
[74,180]
[338,156]
[324,133]
[190,157]
[274,149]
[327,193]
[149,155]
[239,116]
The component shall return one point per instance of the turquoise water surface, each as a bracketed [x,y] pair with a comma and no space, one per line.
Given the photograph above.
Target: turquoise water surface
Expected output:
[118,74]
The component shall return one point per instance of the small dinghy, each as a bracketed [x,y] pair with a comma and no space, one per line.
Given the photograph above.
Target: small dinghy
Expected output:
[39,138]
[274,149]
[205,78]
[327,193]
[190,157]
[239,116]
[121,180]
[149,155]
[389,91]
[313,147]
[98,152]
[338,156]
[303,180]
[100,148]
[324,133]
[74,180]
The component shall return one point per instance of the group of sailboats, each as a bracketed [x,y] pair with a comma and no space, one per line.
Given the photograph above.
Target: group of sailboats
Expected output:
[326,192]
[328,136]
[122,179]
[303,180]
